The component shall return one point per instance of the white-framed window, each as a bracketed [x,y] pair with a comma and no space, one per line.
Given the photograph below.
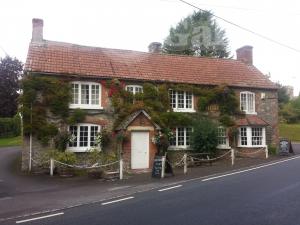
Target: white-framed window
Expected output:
[86,95]
[182,138]
[134,89]
[83,137]
[247,102]
[252,137]
[181,101]
[223,140]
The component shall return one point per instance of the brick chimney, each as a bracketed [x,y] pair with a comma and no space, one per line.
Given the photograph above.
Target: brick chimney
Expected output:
[245,55]
[37,30]
[155,47]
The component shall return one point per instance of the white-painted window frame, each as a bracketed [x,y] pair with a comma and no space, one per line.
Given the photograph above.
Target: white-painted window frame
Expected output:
[85,148]
[249,137]
[134,86]
[90,105]
[185,145]
[247,102]
[184,109]
[226,145]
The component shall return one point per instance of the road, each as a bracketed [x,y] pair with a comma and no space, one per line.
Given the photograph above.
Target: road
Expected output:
[264,195]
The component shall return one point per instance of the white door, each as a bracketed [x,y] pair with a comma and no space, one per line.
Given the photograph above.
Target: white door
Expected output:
[139,150]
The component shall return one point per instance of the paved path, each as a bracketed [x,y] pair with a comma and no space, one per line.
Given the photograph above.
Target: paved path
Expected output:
[268,195]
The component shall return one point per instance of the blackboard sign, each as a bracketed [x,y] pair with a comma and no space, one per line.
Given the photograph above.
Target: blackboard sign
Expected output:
[285,146]
[157,166]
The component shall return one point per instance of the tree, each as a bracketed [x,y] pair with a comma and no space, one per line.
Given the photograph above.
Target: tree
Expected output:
[10,74]
[283,96]
[291,111]
[198,35]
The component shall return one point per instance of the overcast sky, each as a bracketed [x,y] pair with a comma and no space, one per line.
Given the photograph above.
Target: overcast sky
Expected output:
[133,24]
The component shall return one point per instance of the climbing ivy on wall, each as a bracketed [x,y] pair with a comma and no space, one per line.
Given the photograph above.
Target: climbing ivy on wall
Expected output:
[45,104]
[155,100]
[44,99]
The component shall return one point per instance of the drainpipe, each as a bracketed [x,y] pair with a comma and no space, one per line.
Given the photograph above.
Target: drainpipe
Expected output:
[30,141]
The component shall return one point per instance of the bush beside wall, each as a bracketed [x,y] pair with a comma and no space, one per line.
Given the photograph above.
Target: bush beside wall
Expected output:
[10,127]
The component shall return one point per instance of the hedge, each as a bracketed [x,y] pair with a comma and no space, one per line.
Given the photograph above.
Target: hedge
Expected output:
[10,127]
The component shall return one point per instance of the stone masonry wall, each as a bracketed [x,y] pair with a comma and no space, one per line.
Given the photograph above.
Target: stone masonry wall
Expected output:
[267,109]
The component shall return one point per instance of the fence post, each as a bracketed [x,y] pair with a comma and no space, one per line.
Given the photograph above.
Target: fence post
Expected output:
[232,156]
[163,163]
[51,167]
[121,169]
[185,163]
[267,151]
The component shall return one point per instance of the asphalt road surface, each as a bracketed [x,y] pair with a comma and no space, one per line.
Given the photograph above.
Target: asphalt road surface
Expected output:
[261,196]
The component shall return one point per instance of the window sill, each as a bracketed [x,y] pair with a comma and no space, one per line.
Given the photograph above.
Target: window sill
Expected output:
[75,106]
[223,147]
[251,146]
[184,110]
[178,148]
[250,113]
[77,149]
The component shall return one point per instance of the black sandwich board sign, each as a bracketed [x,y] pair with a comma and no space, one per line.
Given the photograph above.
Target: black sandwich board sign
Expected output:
[285,146]
[157,167]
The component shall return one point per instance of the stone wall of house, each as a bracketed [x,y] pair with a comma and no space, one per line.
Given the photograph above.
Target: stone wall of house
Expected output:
[103,117]
[266,107]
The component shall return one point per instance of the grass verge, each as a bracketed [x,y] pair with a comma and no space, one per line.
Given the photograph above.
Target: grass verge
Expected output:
[13,141]
[290,131]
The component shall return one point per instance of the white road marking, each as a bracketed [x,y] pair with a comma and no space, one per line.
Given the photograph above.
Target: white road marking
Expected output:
[138,191]
[5,198]
[247,170]
[118,200]
[39,218]
[169,188]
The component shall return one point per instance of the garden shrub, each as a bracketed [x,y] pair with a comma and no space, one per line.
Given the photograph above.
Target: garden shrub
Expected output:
[10,127]
[66,157]
[204,137]
[272,149]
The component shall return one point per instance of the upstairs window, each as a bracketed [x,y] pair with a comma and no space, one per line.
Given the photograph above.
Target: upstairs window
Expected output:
[85,95]
[181,101]
[247,102]
[134,89]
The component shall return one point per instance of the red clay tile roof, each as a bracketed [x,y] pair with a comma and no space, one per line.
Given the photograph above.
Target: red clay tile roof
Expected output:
[252,120]
[63,58]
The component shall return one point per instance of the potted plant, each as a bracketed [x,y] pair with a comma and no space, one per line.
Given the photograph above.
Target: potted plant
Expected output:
[162,141]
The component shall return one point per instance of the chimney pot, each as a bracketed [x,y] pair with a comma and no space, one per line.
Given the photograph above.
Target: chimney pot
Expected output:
[37,30]
[155,47]
[245,54]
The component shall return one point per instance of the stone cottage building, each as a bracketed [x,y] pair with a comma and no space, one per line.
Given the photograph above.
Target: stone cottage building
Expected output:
[87,67]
